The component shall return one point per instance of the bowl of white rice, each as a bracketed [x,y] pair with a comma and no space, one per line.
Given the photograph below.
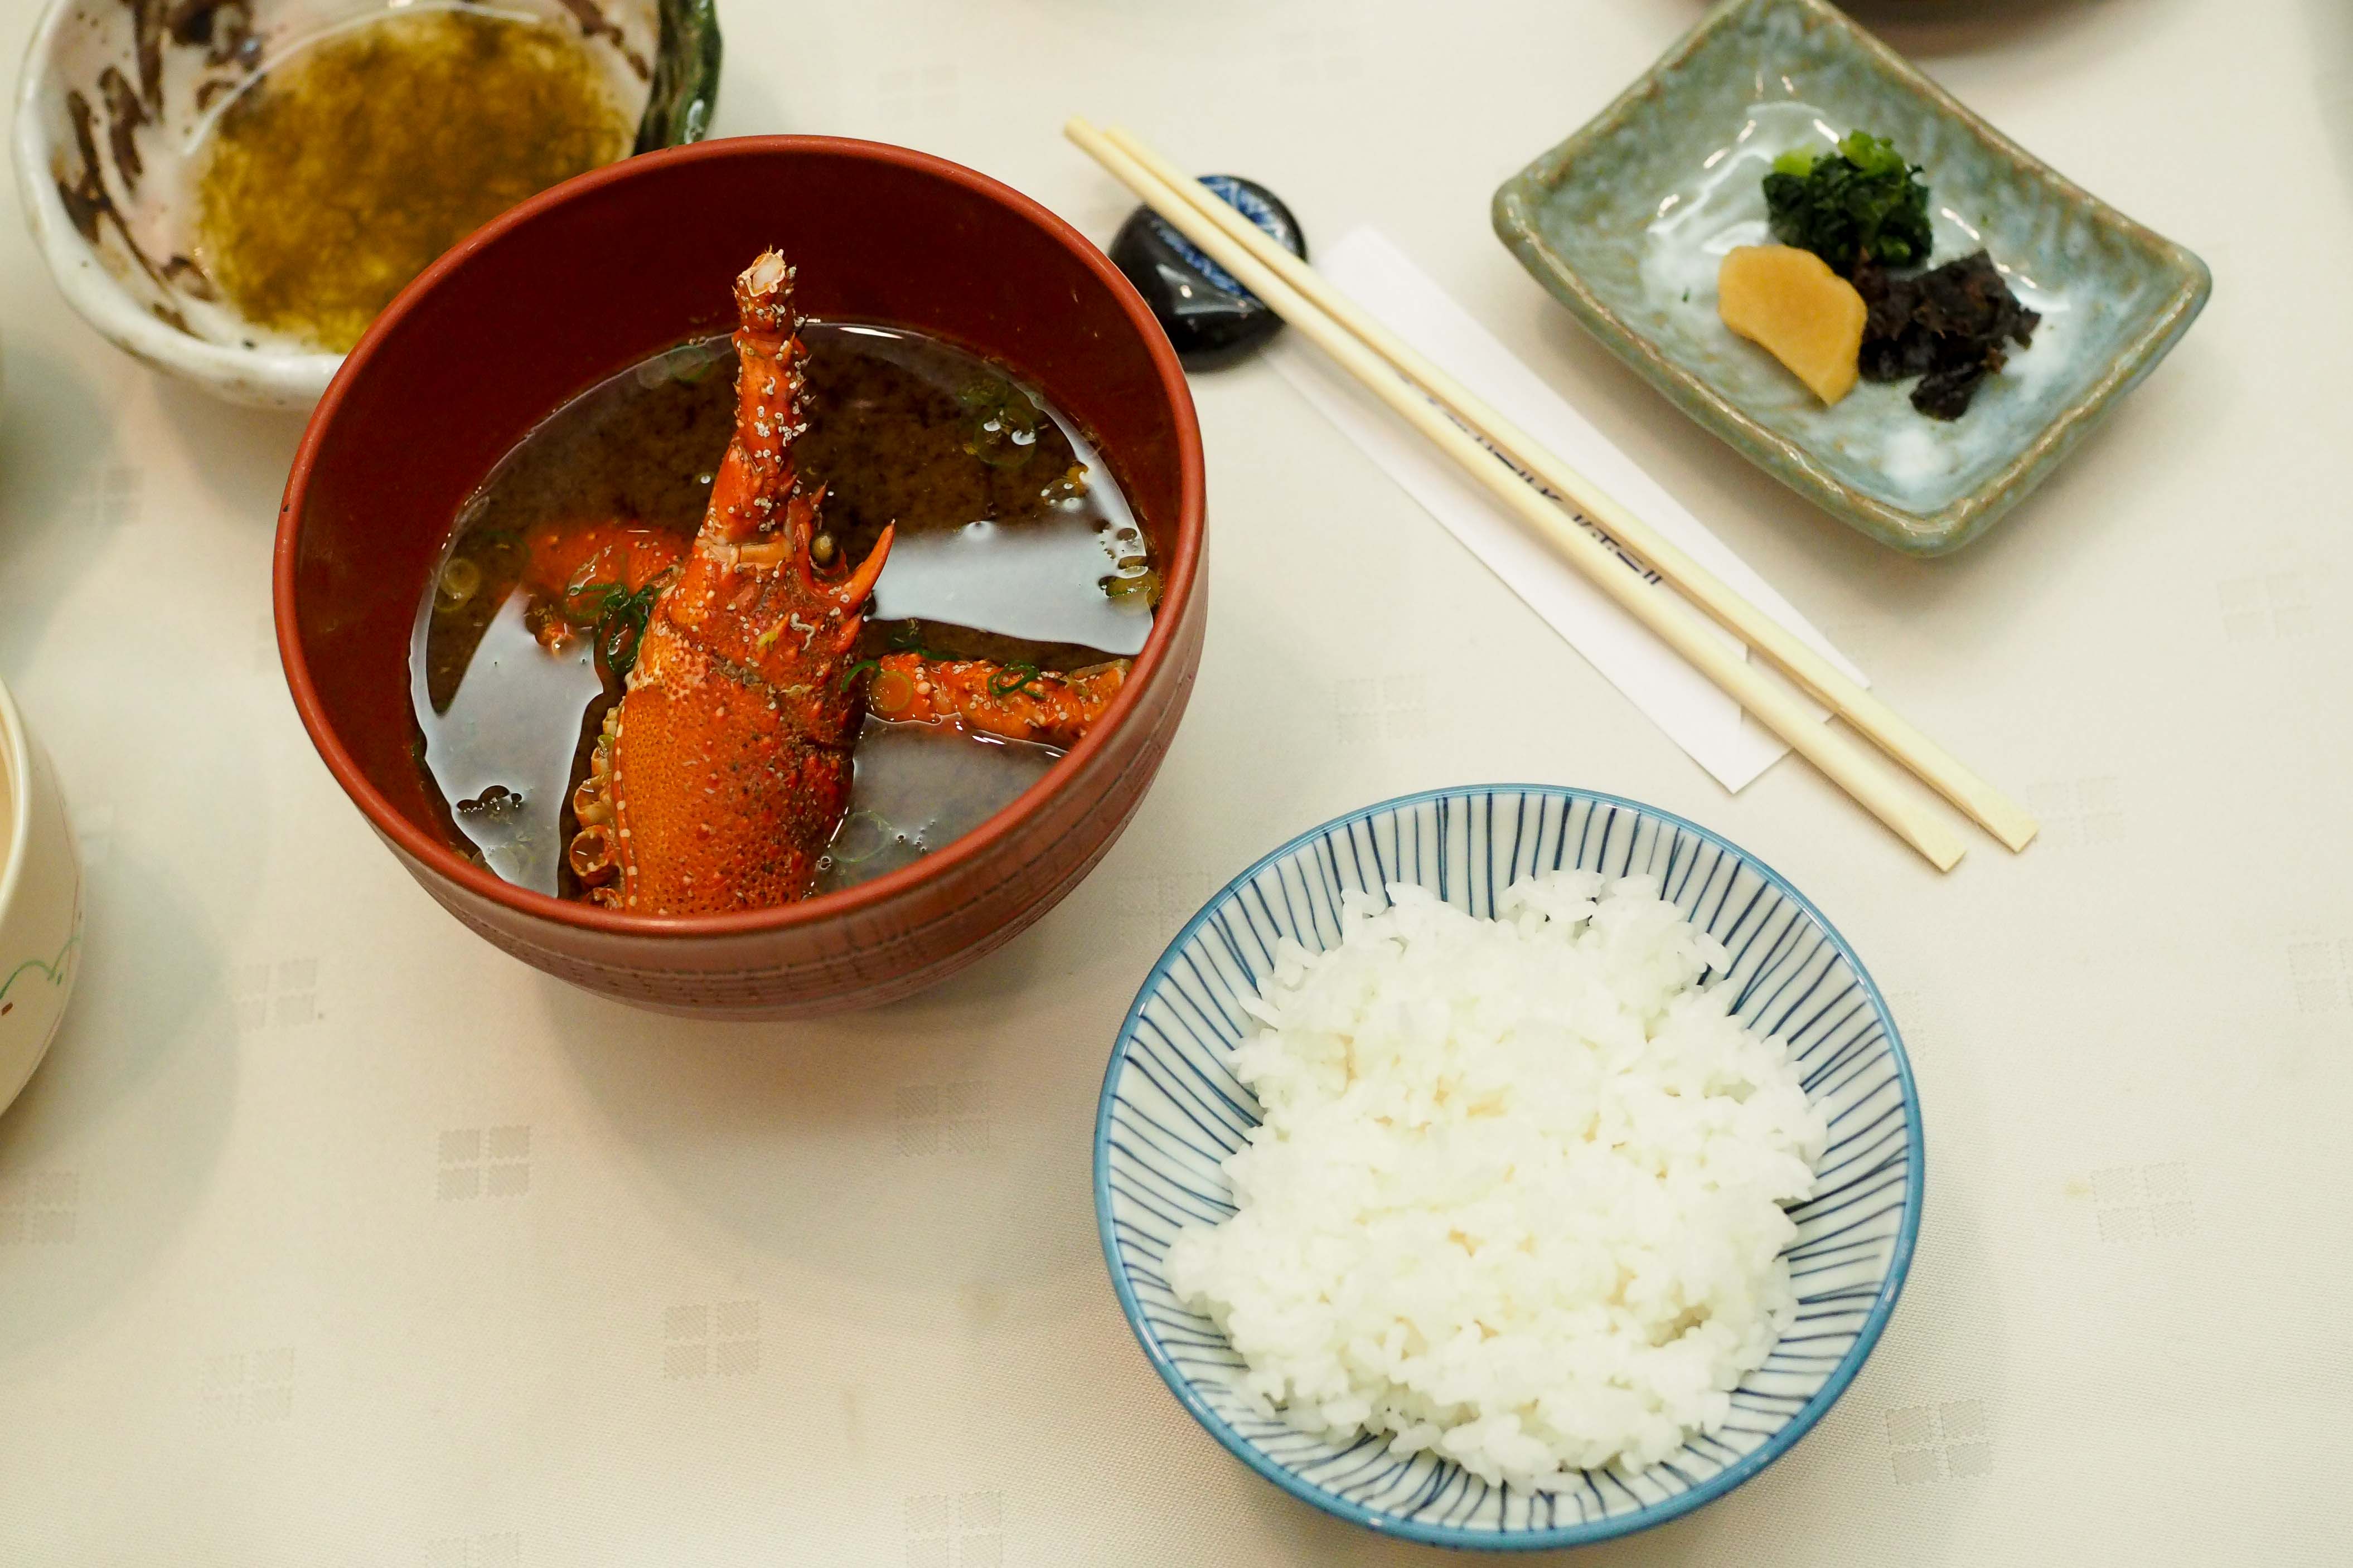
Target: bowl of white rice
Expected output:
[1508,1167]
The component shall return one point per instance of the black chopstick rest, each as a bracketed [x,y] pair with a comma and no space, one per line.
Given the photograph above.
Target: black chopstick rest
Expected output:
[1210,319]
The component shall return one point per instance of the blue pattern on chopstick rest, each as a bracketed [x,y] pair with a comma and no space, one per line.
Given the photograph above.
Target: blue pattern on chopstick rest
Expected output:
[1171,1111]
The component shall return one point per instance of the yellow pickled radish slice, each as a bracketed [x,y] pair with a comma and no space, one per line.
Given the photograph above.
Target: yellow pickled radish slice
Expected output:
[1789,302]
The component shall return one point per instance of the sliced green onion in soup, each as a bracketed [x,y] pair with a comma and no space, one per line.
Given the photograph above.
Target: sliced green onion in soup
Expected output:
[893,689]
[862,835]
[461,579]
[1136,590]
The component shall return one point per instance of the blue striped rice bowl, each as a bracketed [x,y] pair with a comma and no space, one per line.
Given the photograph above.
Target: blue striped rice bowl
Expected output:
[1171,1111]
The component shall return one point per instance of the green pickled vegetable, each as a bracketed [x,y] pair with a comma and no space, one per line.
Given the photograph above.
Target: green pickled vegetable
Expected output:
[1862,202]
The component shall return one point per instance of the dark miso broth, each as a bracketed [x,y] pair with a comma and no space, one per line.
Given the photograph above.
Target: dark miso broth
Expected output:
[1014,543]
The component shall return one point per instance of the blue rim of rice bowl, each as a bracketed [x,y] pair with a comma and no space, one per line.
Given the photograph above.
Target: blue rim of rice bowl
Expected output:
[1584,1531]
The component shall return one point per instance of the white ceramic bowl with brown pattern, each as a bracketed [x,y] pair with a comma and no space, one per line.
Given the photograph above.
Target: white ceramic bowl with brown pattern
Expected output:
[112,106]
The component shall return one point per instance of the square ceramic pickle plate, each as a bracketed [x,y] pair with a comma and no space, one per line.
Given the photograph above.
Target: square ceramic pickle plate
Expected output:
[1627,221]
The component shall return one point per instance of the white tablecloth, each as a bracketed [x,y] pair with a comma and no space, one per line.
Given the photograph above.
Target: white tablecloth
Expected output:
[328,1236]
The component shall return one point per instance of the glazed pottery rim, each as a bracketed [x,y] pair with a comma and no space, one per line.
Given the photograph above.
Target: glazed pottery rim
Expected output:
[91,290]
[1178,579]
[1584,1532]
[287,376]
[1958,521]
[16,794]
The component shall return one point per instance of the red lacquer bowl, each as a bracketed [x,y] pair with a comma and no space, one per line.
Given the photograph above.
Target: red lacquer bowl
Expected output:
[596,275]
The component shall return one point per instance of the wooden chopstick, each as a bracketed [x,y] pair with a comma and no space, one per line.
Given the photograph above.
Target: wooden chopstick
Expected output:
[1865,713]
[1843,762]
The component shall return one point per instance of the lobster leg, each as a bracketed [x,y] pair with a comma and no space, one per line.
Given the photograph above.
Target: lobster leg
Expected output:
[589,579]
[1016,703]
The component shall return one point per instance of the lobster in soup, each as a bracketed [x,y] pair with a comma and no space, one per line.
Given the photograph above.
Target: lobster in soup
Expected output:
[689,652]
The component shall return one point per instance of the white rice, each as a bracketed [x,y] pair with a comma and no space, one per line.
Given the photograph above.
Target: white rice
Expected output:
[1517,1195]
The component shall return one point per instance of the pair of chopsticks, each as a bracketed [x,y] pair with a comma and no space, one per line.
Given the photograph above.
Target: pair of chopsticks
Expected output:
[1449,414]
